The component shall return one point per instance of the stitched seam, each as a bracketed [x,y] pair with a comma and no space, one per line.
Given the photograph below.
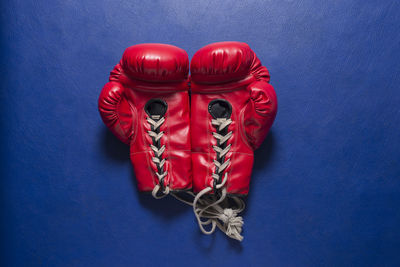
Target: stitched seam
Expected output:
[250,154]
[171,170]
[145,151]
[153,176]
[242,132]
[134,122]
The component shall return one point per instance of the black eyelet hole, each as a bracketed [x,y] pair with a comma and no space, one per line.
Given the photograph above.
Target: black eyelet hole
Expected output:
[220,108]
[156,108]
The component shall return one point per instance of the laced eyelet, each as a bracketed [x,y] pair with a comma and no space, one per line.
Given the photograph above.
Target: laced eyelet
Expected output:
[212,209]
[156,109]
[221,149]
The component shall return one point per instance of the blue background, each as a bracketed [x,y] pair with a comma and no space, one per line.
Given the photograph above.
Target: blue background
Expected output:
[326,182]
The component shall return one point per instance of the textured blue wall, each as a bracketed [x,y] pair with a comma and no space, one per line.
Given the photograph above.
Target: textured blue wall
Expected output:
[326,183]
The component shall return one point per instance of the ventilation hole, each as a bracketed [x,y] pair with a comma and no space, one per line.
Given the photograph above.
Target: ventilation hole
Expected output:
[220,108]
[156,108]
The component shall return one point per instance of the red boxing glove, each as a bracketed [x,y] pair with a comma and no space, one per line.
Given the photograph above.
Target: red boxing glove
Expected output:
[146,105]
[232,107]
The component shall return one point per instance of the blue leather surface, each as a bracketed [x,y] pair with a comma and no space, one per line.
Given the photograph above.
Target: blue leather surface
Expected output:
[326,183]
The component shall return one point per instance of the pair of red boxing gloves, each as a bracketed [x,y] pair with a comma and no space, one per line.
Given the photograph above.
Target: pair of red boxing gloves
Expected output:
[192,133]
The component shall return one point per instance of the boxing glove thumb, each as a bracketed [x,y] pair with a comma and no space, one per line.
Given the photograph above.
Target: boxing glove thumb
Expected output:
[115,111]
[260,112]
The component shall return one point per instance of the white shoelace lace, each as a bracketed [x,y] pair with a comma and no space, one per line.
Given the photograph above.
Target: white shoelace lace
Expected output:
[157,159]
[205,207]
[211,208]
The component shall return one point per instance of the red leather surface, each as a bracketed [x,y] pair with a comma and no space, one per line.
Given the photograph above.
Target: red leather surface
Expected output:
[230,71]
[145,72]
[155,62]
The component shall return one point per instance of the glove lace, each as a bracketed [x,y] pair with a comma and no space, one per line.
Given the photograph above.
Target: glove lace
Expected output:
[158,159]
[210,207]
